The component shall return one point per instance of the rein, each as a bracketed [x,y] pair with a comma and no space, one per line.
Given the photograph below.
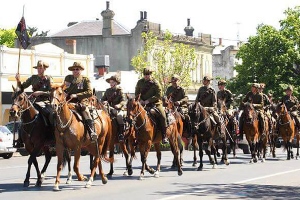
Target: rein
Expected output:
[59,106]
[135,118]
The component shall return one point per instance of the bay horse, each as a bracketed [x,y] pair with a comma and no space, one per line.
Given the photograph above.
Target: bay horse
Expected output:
[251,129]
[228,119]
[148,134]
[71,133]
[286,128]
[204,130]
[129,139]
[36,136]
[182,130]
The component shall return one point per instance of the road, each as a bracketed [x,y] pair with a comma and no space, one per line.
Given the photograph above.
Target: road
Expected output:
[276,178]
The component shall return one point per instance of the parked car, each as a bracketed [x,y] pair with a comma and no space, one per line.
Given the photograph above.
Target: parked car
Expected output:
[6,143]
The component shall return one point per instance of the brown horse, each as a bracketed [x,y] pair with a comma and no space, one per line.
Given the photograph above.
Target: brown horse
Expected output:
[286,128]
[170,107]
[34,133]
[251,129]
[263,140]
[148,134]
[71,133]
[204,130]
[129,138]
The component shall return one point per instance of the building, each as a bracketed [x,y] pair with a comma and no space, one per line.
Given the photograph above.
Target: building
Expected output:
[113,46]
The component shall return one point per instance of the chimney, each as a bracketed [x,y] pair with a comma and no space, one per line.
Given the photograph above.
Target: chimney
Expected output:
[145,15]
[141,15]
[107,15]
[189,29]
[220,41]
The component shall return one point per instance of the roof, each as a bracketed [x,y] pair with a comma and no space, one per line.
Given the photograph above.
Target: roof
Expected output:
[89,28]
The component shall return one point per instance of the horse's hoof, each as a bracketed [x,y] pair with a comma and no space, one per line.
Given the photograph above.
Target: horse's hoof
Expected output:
[263,160]
[141,178]
[218,154]
[173,166]
[69,181]
[26,184]
[251,161]
[38,183]
[214,166]
[56,188]
[125,173]
[130,172]
[227,162]
[194,165]
[151,171]
[88,184]
[180,173]
[104,180]
[156,174]
[199,169]
[110,174]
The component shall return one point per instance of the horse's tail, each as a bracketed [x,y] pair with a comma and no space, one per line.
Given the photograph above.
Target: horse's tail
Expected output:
[66,157]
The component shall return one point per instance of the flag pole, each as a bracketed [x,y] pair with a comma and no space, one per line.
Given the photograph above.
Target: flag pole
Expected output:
[20,47]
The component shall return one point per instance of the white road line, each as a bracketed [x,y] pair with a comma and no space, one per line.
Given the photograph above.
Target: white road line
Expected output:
[267,176]
[182,195]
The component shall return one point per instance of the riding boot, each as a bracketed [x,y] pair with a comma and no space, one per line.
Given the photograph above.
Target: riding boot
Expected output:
[164,135]
[241,128]
[91,129]
[121,132]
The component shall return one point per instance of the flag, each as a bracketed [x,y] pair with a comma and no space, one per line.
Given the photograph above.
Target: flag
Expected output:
[22,34]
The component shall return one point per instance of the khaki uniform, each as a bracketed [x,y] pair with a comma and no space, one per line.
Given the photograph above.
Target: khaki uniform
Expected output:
[114,96]
[207,97]
[258,104]
[151,91]
[227,95]
[80,86]
[292,104]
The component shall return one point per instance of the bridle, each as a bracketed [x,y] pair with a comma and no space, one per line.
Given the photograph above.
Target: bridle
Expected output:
[59,107]
[135,116]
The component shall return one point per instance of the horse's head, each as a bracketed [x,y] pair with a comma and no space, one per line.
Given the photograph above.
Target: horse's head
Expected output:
[281,109]
[168,103]
[132,106]
[58,96]
[20,102]
[222,105]
[249,111]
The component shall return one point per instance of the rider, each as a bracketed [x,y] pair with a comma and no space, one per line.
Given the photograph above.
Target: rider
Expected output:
[225,94]
[114,97]
[78,90]
[291,102]
[207,97]
[267,103]
[256,99]
[41,86]
[180,99]
[150,96]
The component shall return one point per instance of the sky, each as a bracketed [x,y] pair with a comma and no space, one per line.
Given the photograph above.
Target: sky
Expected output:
[227,19]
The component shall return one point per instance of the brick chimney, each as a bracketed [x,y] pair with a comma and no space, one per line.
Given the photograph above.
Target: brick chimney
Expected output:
[189,29]
[107,15]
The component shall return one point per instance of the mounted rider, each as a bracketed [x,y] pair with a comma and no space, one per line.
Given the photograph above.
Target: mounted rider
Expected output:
[150,96]
[115,99]
[225,95]
[207,97]
[41,86]
[78,90]
[267,103]
[292,104]
[256,98]
[177,95]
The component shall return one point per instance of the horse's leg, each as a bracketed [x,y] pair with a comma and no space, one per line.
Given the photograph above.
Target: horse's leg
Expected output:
[59,154]
[251,145]
[158,156]
[122,145]
[48,157]
[77,152]
[38,172]
[211,150]
[297,144]
[67,155]
[143,160]
[132,155]
[111,155]
[175,151]
[195,153]
[224,149]
[180,146]
[200,144]
[96,162]
[174,159]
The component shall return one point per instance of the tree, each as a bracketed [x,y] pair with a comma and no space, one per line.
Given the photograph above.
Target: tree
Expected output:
[7,37]
[166,57]
[270,57]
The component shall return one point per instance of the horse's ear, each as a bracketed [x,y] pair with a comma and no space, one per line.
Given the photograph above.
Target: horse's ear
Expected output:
[63,86]
[137,98]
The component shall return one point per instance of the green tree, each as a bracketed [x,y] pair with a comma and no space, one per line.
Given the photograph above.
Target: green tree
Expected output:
[7,37]
[167,57]
[271,56]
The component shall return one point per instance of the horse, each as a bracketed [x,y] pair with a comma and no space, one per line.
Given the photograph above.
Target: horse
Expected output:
[231,126]
[263,140]
[204,130]
[129,138]
[70,133]
[251,129]
[182,130]
[36,136]
[286,128]
[148,134]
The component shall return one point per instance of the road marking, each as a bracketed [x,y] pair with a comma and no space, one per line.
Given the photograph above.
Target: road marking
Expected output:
[182,195]
[267,176]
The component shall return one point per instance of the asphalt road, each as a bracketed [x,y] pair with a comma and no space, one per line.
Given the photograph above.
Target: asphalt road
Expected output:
[276,178]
